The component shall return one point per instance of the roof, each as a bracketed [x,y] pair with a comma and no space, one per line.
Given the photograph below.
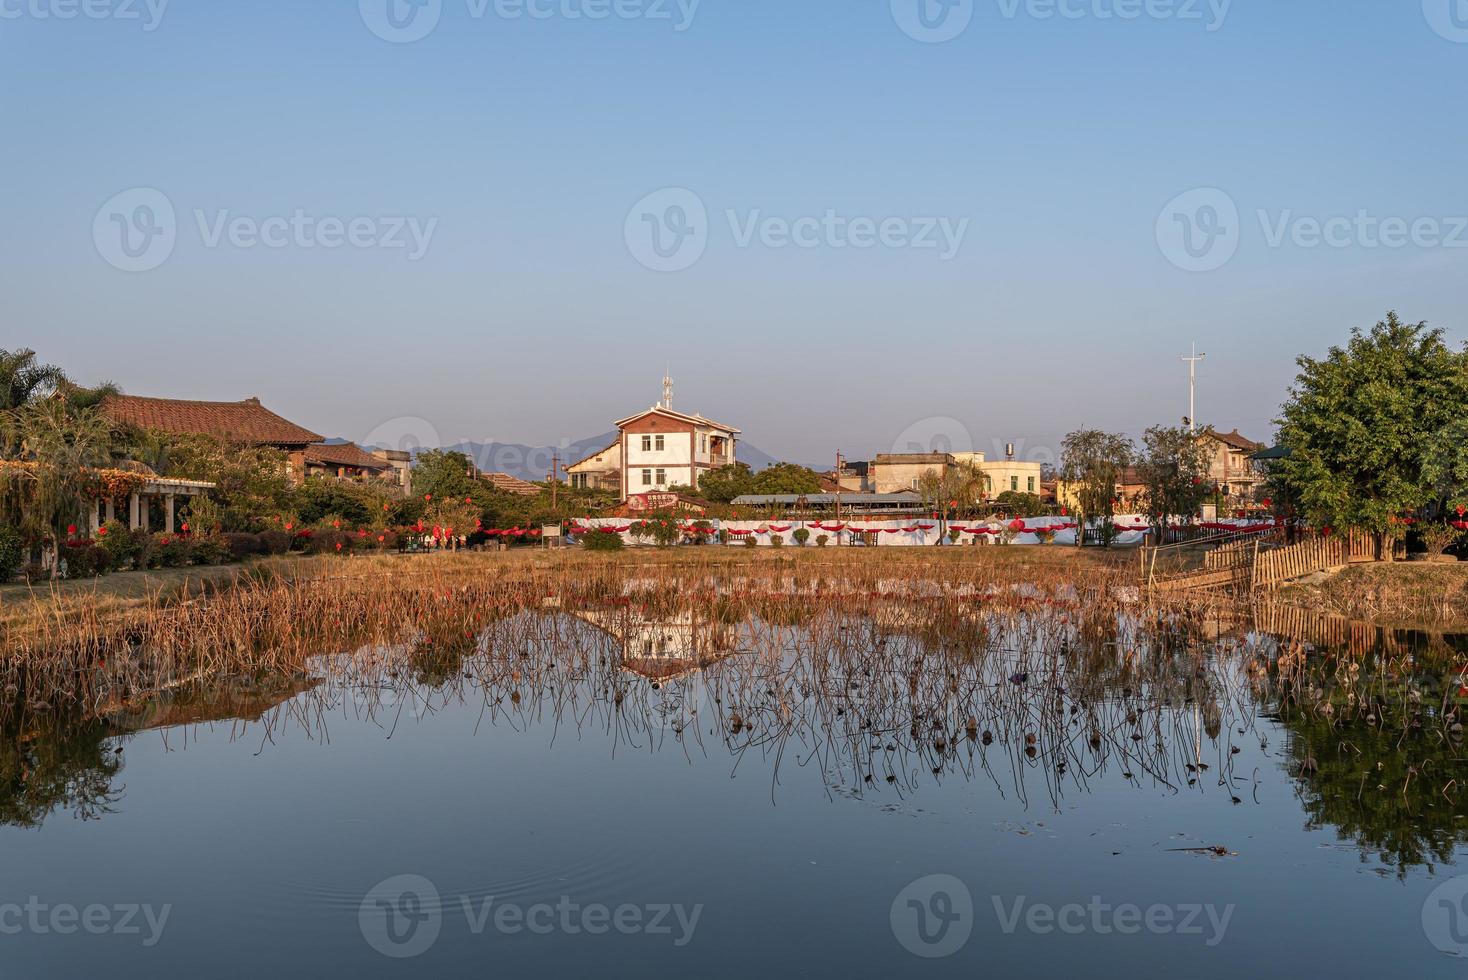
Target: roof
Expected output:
[910,459]
[1273,452]
[344,454]
[510,484]
[1235,441]
[592,456]
[247,422]
[692,419]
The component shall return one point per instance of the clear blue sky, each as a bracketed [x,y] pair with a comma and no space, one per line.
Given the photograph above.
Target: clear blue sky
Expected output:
[529,318]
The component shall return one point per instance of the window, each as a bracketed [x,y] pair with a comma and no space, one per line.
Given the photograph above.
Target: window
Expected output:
[647,444]
[703,443]
[647,478]
[662,475]
[1014,483]
[1032,484]
[658,441]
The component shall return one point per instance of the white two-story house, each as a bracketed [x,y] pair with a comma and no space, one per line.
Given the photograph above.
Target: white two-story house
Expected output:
[662,448]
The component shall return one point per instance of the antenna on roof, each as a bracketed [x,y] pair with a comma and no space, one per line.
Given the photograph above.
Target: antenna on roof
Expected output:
[668,388]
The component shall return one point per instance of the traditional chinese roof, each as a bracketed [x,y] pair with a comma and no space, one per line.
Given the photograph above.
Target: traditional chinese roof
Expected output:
[344,454]
[1236,441]
[246,422]
[511,484]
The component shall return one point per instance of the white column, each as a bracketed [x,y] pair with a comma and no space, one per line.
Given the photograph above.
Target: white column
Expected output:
[168,527]
[134,520]
[111,510]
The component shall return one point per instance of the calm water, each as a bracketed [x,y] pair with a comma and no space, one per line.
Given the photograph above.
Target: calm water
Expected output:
[574,793]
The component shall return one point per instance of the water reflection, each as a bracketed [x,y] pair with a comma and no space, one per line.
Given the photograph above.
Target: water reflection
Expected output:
[1041,705]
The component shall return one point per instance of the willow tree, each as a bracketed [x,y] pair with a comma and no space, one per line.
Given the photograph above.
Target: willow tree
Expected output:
[1173,469]
[1093,463]
[1365,428]
[60,449]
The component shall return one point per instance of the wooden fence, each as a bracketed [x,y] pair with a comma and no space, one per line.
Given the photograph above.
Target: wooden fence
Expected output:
[1298,560]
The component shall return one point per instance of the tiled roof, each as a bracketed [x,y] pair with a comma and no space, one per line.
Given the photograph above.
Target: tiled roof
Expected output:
[511,484]
[344,454]
[246,422]
[1236,441]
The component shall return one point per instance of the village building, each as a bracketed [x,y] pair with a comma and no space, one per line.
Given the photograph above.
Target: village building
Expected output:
[511,484]
[345,461]
[242,423]
[601,470]
[661,448]
[400,461]
[896,472]
[1231,467]
[1008,475]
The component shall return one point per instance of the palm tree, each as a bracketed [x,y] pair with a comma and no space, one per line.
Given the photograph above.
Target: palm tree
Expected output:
[22,380]
[61,444]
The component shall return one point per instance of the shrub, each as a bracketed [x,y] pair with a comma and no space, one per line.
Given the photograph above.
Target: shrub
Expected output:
[212,549]
[242,544]
[821,540]
[84,559]
[173,551]
[602,541]
[751,541]
[35,572]
[801,536]
[275,542]
[122,545]
[12,553]
[329,542]
[776,541]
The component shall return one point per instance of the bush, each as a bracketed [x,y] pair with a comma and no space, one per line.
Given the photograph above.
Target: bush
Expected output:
[35,572]
[751,541]
[12,553]
[275,542]
[122,545]
[602,541]
[84,559]
[822,539]
[776,541]
[329,542]
[801,536]
[212,549]
[173,551]
[242,544]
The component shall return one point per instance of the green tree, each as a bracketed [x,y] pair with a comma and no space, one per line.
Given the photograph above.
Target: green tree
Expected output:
[1093,462]
[724,483]
[786,478]
[1021,504]
[441,475]
[23,379]
[252,483]
[1173,469]
[1365,426]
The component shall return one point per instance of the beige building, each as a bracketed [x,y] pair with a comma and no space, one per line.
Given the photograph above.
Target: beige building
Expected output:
[895,472]
[1229,466]
[600,471]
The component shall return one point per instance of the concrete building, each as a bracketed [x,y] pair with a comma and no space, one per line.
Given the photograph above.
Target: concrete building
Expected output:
[1230,467]
[601,470]
[896,472]
[661,448]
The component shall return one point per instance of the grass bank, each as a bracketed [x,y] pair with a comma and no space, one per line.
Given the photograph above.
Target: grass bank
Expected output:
[1398,594]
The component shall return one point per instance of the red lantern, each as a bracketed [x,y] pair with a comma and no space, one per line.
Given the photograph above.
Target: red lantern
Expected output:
[185,527]
[71,529]
[428,498]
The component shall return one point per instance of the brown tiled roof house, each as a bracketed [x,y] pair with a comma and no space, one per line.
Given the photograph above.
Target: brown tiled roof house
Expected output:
[246,423]
[344,460]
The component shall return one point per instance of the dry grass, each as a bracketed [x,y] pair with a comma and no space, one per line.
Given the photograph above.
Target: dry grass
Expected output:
[1403,594]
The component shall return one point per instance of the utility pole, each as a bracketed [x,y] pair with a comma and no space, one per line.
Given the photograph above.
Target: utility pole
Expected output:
[1192,362]
[555,476]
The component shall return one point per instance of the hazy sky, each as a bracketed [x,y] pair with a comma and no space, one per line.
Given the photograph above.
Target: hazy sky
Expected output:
[875,225]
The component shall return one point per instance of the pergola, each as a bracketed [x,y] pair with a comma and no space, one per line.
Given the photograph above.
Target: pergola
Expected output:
[140,503]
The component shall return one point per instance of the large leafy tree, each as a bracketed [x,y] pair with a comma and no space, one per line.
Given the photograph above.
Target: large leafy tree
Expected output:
[252,483]
[724,483]
[1173,469]
[1366,427]
[786,478]
[1092,462]
[443,475]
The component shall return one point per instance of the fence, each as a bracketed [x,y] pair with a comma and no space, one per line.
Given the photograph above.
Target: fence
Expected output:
[1298,560]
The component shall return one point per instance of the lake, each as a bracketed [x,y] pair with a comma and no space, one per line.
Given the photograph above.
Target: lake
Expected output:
[619,791]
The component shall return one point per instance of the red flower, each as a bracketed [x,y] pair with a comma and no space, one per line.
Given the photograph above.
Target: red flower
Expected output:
[338,546]
[382,537]
[428,497]
[469,501]
[71,529]
[185,527]
[336,524]
[387,507]
[101,532]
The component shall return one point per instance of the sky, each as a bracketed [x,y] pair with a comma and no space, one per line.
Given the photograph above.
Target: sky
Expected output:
[855,225]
